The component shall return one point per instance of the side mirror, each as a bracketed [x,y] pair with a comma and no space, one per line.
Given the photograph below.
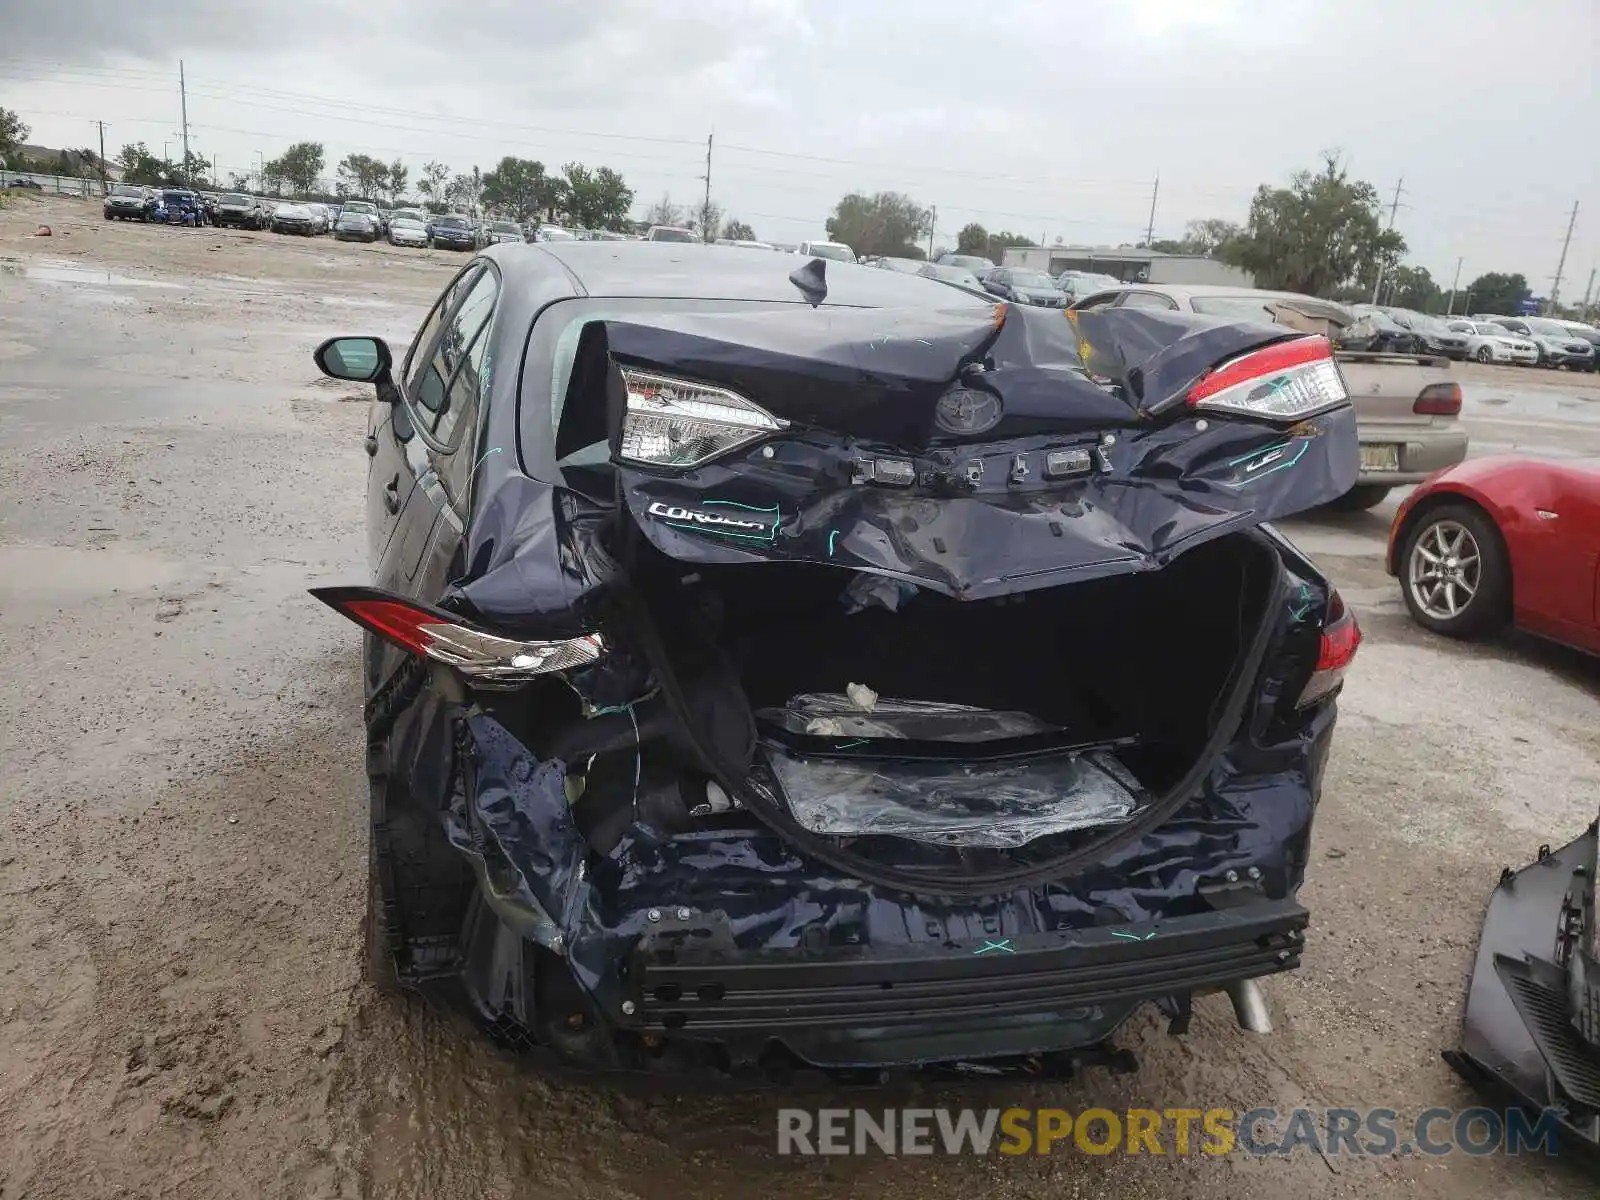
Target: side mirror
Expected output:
[357,359]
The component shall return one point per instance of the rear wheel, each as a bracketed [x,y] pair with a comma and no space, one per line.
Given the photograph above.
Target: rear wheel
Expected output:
[1485,355]
[1361,497]
[1454,574]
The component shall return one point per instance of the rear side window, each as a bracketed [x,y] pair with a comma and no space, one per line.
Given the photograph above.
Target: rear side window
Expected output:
[438,406]
[1147,300]
[422,344]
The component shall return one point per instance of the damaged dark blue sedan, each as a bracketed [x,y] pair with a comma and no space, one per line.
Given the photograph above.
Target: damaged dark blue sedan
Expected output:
[777,669]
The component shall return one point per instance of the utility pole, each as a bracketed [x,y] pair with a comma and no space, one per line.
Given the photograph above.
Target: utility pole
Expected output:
[183,103]
[1450,306]
[705,212]
[102,171]
[933,220]
[1393,209]
[1588,291]
[1555,287]
[1150,230]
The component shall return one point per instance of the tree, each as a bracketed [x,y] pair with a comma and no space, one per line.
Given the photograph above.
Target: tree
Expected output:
[298,166]
[1315,235]
[1497,293]
[431,184]
[399,177]
[973,239]
[520,188]
[1412,287]
[887,223]
[664,212]
[13,132]
[996,249]
[239,181]
[738,231]
[363,175]
[140,166]
[463,191]
[596,199]
[707,220]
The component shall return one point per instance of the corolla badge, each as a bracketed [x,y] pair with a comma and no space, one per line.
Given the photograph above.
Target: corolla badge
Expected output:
[963,410]
[729,519]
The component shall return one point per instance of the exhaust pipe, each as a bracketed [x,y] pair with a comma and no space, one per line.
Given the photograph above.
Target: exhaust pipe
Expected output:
[1250,1006]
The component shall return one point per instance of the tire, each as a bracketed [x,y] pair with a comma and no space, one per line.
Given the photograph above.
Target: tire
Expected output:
[1438,531]
[1485,355]
[1361,497]
[379,966]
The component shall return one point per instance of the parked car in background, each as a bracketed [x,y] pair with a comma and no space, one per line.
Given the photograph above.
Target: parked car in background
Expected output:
[622,811]
[407,231]
[1491,343]
[179,206]
[240,210]
[906,266]
[354,225]
[1436,336]
[741,243]
[1074,284]
[19,181]
[367,209]
[1589,334]
[323,216]
[611,235]
[1376,332]
[957,277]
[554,233]
[129,202]
[294,218]
[492,233]
[976,263]
[1407,406]
[1503,540]
[452,231]
[415,214]
[670,233]
[1022,286]
[1556,344]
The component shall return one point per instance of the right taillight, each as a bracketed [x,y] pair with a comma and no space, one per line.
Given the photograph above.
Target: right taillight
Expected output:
[1341,638]
[1438,400]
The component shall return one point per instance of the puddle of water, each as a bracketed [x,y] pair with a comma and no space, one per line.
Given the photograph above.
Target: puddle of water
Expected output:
[63,272]
[53,574]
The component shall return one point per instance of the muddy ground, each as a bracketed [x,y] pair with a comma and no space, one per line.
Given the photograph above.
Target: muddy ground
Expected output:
[182,850]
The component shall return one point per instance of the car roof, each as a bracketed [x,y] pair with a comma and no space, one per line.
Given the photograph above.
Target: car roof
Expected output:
[675,270]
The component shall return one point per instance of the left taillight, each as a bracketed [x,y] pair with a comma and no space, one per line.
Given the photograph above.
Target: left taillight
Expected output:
[1438,400]
[486,659]
[1341,638]
[1287,381]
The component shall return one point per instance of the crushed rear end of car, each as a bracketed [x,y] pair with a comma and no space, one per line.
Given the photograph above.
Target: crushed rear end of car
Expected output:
[930,691]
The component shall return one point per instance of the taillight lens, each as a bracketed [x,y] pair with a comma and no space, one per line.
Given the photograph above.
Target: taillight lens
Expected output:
[485,658]
[1341,638]
[679,423]
[1438,400]
[1283,382]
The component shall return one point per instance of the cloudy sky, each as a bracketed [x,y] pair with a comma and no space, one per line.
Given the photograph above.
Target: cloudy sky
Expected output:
[1045,118]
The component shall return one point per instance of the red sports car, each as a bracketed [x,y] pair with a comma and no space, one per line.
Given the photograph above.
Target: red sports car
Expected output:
[1492,540]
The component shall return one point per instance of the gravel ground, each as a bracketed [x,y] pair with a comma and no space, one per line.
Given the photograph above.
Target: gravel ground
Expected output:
[181,802]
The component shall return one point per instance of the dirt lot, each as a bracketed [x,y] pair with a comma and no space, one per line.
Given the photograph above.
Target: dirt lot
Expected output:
[182,851]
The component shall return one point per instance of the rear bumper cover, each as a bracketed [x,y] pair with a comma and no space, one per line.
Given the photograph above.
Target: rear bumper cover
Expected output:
[1423,450]
[1531,1031]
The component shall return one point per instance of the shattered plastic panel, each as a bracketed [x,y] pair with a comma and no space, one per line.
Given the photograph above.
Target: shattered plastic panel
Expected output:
[986,515]
[830,715]
[953,803]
